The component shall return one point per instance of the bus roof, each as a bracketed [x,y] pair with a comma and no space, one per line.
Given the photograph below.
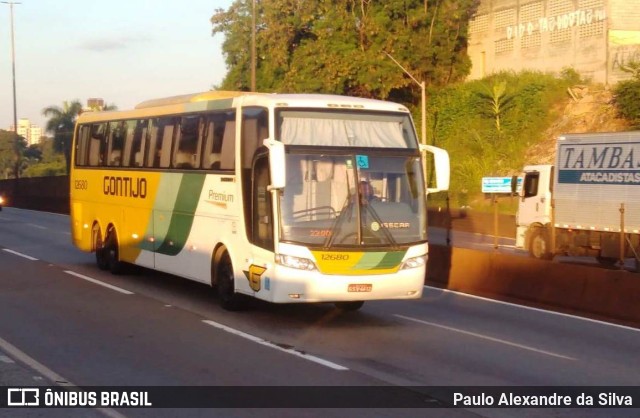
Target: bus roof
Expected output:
[197,102]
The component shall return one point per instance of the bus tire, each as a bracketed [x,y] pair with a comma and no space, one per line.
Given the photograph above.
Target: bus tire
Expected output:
[539,244]
[349,306]
[113,253]
[229,299]
[101,254]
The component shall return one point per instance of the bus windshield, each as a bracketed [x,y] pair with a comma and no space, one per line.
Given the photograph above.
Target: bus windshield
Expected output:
[342,200]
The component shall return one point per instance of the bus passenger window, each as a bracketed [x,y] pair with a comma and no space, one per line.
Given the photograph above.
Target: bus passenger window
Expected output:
[82,145]
[139,144]
[186,152]
[228,150]
[213,132]
[128,142]
[161,141]
[97,144]
[117,134]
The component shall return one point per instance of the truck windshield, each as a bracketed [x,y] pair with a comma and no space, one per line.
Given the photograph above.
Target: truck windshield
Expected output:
[342,200]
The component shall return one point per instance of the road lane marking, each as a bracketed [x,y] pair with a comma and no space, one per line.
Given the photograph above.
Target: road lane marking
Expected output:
[266,343]
[48,373]
[530,308]
[92,280]
[28,257]
[6,359]
[485,337]
[36,226]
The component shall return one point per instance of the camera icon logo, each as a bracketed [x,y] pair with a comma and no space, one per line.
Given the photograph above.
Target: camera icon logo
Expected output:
[23,397]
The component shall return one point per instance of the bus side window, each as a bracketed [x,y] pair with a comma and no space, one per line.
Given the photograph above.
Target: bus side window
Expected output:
[128,142]
[228,150]
[139,143]
[96,144]
[186,152]
[82,145]
[213,134]
[160,151]
[117,134]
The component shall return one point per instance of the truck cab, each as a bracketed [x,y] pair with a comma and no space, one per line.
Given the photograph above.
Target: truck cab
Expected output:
[534,208]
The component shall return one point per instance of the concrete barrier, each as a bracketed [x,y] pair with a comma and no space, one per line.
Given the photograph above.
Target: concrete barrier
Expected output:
[610,294]
[50,194]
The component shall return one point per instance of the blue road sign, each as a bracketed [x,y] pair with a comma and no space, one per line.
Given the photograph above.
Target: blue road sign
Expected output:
[499,184]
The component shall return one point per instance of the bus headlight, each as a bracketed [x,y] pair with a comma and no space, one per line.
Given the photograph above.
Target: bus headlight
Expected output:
[295,262]
[414,262]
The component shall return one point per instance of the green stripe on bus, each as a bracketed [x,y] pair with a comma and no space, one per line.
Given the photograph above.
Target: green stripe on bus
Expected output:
[391,260]
[182,216]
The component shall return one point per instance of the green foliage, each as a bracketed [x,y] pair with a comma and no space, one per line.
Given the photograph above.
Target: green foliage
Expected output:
[339,46]
[627,95]
[43,160]
[463,120]
[627,100]
[12,148]
[62,122]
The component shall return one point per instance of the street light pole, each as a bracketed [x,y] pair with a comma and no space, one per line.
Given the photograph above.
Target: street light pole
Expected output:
[13,66]
[423,88]
[253,47]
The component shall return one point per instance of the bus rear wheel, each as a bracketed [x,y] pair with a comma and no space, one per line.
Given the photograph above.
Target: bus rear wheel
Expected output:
[101,253]
[349,306]
[113,254]
[229,299]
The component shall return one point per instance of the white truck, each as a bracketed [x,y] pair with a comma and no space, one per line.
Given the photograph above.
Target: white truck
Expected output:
[588,204]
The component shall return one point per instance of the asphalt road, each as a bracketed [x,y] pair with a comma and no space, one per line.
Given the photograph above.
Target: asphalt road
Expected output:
[62,319]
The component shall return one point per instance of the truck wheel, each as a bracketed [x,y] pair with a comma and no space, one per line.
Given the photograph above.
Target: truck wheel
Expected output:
[607,261]
[539,244]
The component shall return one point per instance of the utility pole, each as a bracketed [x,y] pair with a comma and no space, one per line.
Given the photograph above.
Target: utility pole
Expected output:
[424,97]
[16,172]
[253,47]
[13,65]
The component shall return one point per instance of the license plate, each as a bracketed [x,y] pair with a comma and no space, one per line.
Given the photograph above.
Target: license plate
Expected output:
[360,288]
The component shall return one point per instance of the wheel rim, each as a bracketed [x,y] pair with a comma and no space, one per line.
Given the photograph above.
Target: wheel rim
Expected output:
[539,246]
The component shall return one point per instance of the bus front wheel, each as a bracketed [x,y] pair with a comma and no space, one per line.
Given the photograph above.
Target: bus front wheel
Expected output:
[229,299]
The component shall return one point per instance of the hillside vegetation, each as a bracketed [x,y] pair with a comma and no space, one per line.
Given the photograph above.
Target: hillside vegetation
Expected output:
[494,126]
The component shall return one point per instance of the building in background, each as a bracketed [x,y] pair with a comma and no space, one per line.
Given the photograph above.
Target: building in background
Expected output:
[594,37]
[32,133]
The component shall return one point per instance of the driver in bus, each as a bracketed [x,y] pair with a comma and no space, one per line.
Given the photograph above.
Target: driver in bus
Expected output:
[367,192]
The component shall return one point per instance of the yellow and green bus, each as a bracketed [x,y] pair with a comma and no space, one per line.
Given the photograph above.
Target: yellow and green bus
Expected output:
[281,197]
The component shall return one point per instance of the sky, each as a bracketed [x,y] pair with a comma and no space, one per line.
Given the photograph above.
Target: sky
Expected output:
[122,51]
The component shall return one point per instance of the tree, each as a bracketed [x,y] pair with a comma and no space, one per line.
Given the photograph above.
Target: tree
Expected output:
[498,101]
[627,94]
[338,46]
[12,148]
[61,123]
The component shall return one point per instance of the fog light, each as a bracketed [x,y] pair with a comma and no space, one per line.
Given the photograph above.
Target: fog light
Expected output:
[294,295]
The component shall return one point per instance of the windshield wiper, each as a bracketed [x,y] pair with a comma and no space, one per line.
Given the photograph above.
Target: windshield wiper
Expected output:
[388,235]
[346,208]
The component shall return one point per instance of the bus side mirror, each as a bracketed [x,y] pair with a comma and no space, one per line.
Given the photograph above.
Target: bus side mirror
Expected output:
[442,168]
[277,166]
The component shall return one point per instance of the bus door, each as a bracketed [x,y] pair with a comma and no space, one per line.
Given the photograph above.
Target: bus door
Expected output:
[261,226]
